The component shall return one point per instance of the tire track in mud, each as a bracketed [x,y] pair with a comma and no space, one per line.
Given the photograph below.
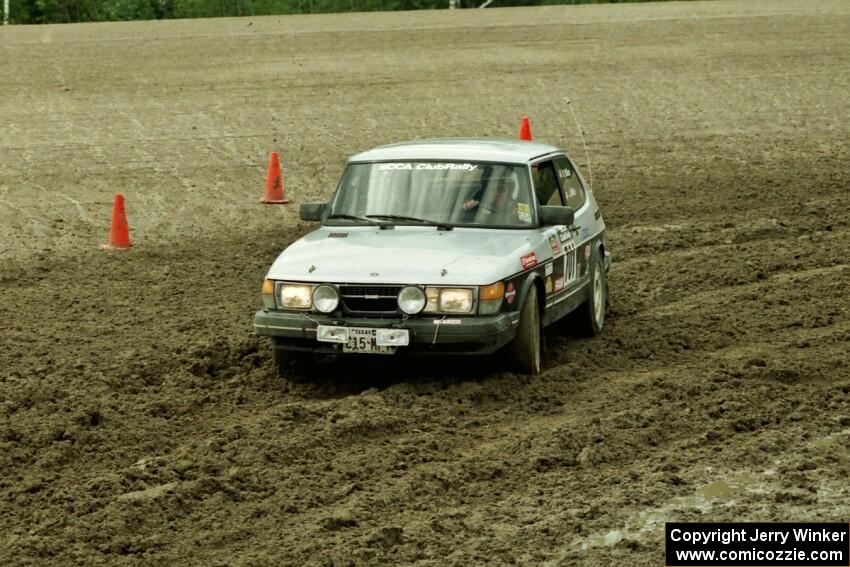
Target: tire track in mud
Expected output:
[349,444]
[454,465]
[786,335]
[486,459]
[739,488]
[487,452]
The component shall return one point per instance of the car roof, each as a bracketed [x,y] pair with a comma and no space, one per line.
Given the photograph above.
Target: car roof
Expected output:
[489,150]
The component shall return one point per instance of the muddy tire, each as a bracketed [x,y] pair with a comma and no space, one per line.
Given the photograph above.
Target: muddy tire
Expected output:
[591,314]
[525,351]
[288,365]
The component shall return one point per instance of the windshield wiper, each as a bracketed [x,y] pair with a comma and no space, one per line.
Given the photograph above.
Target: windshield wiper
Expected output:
[440,225]
[357,218]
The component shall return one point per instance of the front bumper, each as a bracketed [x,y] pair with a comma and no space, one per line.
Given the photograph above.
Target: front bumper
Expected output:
[474,335]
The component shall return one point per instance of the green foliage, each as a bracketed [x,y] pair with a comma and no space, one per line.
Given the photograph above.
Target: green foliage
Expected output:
[60,11]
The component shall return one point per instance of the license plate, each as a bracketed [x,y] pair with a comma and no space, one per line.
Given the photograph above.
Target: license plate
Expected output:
[363,340]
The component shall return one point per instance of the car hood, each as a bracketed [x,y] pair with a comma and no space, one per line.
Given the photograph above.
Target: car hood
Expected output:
[405,254]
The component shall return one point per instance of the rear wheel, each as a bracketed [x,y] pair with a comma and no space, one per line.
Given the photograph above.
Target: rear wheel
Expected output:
[525,349]
[591,314]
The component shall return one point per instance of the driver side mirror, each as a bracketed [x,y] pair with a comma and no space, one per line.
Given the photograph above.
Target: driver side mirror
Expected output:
[312,211]
[550,216]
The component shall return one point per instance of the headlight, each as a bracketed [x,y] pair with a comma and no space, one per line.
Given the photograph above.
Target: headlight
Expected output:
[448,300]
[325,298]
[411,300]
[294,296]
[456,300]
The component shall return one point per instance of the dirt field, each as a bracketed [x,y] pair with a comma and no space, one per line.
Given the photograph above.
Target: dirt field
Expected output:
[140,422]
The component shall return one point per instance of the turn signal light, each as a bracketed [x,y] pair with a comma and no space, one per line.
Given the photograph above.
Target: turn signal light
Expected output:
[268,287]
[268,294]
[490,292]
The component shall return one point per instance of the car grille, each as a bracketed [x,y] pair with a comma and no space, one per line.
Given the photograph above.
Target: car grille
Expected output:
[370,299]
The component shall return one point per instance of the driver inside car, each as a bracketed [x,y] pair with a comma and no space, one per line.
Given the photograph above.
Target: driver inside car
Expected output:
[496,204]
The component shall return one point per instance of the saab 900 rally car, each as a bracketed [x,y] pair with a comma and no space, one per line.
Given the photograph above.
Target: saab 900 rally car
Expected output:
[443,246]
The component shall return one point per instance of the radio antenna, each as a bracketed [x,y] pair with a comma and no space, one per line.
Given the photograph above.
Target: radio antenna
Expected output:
[581,134]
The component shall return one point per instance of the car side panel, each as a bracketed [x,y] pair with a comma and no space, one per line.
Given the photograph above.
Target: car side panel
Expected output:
[572,264]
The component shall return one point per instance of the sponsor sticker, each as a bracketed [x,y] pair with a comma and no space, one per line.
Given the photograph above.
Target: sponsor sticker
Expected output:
[559,284]
[523,212]
[556,246]
[549,284]
[564,233]
[549,268]
[565,173]
[528,261]
[510,292]
[448,321]
[585,232]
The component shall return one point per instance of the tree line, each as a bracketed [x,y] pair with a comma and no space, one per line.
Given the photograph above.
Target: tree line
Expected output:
[63,11]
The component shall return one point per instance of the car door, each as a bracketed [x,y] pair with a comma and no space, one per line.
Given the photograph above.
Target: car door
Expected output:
[559,266]
[588,225]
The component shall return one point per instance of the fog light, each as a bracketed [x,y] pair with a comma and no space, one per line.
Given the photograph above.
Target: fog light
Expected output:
[331,334]
[392,337]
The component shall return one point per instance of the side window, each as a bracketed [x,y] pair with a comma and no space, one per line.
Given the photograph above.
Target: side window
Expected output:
[573,190]
[546,184]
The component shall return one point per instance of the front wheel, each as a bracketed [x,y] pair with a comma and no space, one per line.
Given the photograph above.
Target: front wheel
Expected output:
[288,364]
[524,350]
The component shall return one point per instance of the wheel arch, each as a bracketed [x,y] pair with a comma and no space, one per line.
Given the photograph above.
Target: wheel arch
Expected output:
[600,249]
[534,279]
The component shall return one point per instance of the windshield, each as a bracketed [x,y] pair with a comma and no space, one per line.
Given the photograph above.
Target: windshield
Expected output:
[454,193]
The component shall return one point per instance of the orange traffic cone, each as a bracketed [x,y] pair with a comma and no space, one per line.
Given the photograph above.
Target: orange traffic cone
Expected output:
[274,183]
[119,234]
[524,129]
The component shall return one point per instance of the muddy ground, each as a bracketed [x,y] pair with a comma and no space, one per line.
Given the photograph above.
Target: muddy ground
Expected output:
[141,423]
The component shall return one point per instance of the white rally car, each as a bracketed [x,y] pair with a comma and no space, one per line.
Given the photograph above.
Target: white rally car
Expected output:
[442,246]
